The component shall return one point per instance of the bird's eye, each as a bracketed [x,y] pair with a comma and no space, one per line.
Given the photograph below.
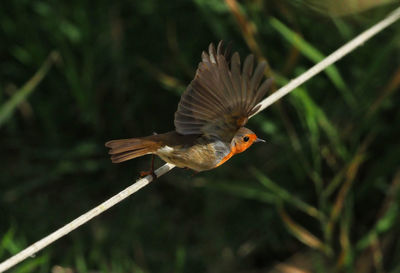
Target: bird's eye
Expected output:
[246,138]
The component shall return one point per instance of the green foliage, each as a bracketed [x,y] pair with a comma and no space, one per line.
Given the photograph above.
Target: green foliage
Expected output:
[322,195]
[316,56]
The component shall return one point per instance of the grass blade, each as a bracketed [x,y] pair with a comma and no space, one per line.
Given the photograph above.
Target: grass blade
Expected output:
[286,196]
[9,107]
[302,234]
[316,56]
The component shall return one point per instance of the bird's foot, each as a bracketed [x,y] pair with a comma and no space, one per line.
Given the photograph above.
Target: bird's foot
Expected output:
[151,172]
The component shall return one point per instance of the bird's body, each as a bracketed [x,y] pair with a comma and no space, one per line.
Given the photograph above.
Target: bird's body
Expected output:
[196,152]
[210,116]
[199,154]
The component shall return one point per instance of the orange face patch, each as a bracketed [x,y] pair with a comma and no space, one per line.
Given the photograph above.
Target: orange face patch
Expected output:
[244,143]
[241,144]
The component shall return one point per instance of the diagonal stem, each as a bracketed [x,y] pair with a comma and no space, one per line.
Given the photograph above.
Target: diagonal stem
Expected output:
[335,56]
[332,58]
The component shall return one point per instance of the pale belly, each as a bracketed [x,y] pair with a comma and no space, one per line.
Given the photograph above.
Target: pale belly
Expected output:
[199,157]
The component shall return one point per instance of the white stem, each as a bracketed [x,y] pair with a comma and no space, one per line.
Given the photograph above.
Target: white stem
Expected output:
[334,57]
[32,249]
[344,50]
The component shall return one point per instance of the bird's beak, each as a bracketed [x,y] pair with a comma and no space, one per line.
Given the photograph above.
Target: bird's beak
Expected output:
[259,140]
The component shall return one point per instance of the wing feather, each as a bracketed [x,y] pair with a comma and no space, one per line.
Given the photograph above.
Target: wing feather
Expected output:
[246,73]
[221,97]
[236,80]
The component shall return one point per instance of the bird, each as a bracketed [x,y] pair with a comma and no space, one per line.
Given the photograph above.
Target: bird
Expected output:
[209,122]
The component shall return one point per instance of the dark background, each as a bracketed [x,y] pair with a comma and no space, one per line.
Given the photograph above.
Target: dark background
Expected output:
[322,195]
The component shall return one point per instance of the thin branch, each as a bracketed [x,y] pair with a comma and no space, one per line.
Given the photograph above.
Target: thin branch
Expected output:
[335,56]
[32,249]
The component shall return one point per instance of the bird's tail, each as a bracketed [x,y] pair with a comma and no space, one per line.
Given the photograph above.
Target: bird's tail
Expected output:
[125,149]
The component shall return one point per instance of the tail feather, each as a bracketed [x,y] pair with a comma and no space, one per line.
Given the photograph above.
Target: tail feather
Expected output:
[121,157]
[125,149]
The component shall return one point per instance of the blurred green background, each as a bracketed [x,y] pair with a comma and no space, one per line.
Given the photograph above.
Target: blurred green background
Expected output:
[322,195]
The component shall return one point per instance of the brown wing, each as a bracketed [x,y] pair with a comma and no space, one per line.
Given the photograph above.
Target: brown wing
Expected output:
[220,98]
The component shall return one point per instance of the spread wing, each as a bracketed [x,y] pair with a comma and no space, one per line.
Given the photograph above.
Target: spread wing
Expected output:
[220,98]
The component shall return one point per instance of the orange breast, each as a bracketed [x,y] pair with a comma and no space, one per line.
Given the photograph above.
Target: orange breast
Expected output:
[228,156]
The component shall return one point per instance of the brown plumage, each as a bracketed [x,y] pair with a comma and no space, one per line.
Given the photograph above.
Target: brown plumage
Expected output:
[210,117]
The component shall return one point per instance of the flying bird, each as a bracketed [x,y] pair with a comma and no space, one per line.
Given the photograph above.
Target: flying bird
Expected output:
[212,112]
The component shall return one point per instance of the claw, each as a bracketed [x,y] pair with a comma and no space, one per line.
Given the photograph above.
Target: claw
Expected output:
[152,173]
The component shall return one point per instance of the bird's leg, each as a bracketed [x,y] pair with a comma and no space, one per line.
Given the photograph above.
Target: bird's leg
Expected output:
[142,174]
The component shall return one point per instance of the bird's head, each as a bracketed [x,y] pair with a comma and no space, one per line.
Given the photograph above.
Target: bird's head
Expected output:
[243,139]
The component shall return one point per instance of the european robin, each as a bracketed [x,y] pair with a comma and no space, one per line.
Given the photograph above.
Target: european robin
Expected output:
[210,117]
